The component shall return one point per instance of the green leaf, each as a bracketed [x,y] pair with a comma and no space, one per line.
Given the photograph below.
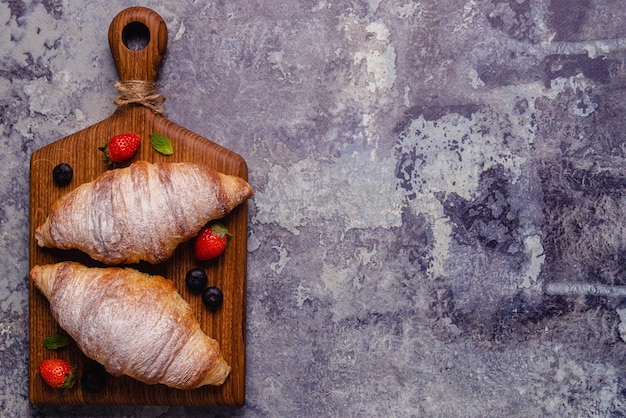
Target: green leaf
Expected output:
[161,144]
[56,341]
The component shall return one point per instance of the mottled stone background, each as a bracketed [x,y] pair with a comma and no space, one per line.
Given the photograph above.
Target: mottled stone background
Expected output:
[438,225]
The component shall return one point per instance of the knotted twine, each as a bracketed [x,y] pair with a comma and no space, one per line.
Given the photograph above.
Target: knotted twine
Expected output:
[139,92]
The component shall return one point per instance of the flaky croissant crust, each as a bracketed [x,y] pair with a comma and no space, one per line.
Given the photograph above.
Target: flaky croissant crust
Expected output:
[141,212]
[132,323]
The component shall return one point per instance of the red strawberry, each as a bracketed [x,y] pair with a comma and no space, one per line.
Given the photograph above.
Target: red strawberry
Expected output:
[211,242]
[57,373]
[120,148]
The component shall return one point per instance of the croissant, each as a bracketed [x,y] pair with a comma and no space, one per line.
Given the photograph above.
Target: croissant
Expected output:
[132,323]
[141,212]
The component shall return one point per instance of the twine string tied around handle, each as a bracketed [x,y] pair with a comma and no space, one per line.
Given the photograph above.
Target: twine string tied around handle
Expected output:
[139,92]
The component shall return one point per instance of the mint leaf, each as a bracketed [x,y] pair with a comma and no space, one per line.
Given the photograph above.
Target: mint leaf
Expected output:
[161,144]
[56,341]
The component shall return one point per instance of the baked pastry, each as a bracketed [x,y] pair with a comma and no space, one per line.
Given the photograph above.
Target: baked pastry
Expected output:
[141,212]
[132,323]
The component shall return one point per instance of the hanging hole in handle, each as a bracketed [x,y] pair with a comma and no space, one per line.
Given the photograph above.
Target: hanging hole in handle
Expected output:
[136,36]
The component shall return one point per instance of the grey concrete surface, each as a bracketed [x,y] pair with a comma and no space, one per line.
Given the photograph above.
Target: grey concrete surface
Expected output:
[438,224]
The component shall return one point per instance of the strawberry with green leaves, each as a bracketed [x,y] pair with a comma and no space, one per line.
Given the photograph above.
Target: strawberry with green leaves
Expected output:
[57,373]
[120,148]
[211,242]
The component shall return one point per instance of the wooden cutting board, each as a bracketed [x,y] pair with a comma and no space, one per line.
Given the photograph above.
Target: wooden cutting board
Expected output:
[80,150]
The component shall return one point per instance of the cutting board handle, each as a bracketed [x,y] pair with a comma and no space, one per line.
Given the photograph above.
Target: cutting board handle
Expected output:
[143,24]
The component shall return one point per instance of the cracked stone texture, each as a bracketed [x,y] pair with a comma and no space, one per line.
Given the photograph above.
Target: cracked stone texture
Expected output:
[438,225]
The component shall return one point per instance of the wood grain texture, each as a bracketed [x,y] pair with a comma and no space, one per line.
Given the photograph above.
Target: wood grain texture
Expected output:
[80,150]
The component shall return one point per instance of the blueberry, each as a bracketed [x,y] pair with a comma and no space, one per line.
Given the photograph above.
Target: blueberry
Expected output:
[62,174]
[212,297]
[196,279]
[93,380]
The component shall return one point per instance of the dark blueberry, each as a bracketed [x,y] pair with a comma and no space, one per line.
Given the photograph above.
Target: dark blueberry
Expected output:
[93,380]
[212,297]
[62,174]
[196,279]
